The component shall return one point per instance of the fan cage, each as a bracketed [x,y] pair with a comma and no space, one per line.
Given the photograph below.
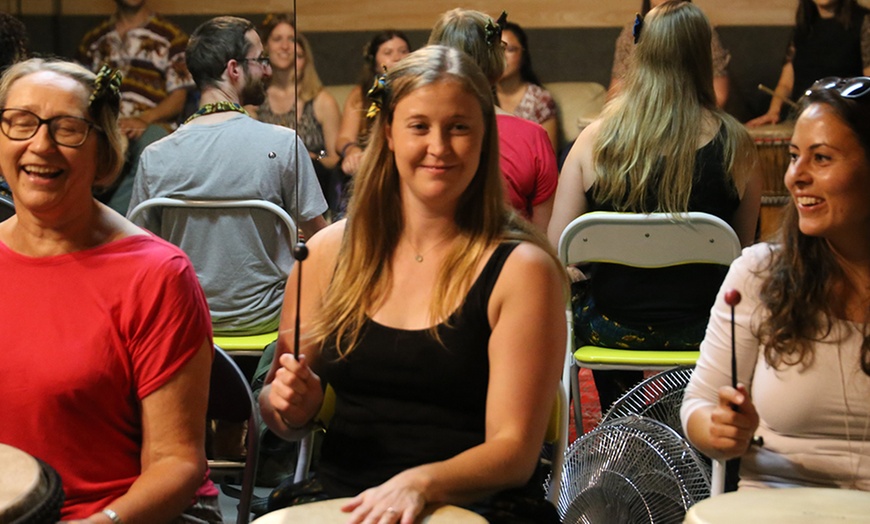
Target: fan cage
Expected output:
[632,469]
[658,397]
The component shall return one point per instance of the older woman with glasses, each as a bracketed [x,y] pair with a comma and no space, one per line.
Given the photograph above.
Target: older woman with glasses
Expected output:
[802,330]
[106,333]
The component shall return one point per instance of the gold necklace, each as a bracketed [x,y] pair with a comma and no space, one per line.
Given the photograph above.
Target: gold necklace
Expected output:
[419,256]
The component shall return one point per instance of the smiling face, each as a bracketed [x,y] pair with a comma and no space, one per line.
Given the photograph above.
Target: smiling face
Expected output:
[46,177]
[390,52]
[436,136]
[280,46]
[829,177]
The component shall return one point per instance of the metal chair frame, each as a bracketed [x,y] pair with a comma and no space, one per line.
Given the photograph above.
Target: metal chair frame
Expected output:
[239,345]
[652,240]
[230,399]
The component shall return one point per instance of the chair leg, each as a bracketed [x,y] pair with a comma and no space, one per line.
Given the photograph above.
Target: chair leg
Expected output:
[576,398]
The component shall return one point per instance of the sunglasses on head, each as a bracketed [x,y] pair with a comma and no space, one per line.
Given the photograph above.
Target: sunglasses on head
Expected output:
[853,88]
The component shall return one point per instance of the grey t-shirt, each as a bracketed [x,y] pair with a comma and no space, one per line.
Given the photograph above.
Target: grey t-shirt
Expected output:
[242,258]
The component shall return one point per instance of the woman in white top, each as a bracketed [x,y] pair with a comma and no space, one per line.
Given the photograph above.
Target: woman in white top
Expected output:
[801,330]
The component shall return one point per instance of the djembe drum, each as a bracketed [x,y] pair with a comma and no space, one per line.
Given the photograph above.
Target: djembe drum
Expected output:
[783,506]
[772,142]
[329,512]
[30,490]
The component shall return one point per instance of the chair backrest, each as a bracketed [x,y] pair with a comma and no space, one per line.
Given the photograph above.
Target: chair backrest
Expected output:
[649,240]
[242,251]
[144,212]
[230,399]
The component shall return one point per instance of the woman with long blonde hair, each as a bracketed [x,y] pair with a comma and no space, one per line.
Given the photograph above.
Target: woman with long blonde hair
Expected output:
[295,98]
[432,313]
[661,145]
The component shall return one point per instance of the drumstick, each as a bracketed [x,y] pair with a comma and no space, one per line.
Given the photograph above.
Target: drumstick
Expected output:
[732,298]
[771,92]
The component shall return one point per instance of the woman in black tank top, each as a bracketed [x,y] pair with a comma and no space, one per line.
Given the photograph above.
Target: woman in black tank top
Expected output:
[435,315]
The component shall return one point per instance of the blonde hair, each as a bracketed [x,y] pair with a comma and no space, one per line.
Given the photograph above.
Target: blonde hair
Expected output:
[465,30]
[112,144]
[309,85]
[363,275]
[647,142]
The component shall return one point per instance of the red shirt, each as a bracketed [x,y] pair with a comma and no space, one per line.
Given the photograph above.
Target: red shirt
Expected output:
[85,337]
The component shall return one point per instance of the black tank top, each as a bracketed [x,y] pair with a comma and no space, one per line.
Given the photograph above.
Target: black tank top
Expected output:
[403,399]
[671,295]
[828,49]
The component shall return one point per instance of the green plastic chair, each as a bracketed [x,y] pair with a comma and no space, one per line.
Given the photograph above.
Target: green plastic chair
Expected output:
[652,240]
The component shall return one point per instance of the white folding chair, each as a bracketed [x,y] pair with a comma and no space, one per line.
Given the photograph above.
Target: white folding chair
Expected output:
[652,240]
[152,215]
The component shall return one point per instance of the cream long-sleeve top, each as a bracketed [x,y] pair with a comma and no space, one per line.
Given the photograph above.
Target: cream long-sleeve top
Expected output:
[815,419]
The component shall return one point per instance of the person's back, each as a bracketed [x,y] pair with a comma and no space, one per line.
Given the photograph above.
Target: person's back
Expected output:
[661,146]
[242,257]
[221,153]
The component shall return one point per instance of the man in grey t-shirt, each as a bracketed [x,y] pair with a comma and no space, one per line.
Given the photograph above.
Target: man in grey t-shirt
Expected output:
[221,153]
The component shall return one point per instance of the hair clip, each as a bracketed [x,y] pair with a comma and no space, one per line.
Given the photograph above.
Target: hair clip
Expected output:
[493,30]
[377,94]
[107,87]
[638,26]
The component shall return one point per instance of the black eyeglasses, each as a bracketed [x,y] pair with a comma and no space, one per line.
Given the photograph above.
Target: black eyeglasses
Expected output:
[69,131]
[262,60]
[853,88]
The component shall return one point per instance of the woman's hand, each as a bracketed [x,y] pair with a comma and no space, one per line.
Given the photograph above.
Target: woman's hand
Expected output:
[765,119]
[398,500]
[350,164]
[733,422]
[296,393]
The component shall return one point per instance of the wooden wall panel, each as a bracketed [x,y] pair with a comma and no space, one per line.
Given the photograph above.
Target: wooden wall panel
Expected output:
[365,15]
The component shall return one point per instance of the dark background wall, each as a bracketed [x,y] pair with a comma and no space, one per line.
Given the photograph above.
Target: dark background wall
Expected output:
[560,54]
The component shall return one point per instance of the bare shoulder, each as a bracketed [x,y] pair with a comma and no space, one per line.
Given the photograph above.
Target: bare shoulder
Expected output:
[531,265]
[354,99]
[325,101]
[325,244]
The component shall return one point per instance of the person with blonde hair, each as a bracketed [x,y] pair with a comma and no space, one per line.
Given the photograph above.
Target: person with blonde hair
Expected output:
[527,158]
[295,98]
[435,316]
[624,50]
[661,145]
[106,334]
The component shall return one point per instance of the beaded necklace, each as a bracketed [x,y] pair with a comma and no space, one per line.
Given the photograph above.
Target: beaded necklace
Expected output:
[223,106]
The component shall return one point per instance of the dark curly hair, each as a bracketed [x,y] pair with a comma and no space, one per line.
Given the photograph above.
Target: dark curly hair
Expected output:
[13,41]
[800,291]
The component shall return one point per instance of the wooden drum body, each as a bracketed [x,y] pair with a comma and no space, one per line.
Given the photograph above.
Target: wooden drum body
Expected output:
[329,512]
[783,506]
[772,143]
[30,490]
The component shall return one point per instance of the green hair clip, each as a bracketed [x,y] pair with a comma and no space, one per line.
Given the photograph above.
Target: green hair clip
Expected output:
[377,94]
[107,87]
[493,30]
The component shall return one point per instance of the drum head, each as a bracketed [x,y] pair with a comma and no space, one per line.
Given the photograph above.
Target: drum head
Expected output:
[329,512]
[783,506]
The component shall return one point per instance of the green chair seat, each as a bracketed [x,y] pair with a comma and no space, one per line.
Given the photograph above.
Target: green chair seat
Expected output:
[594,357]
